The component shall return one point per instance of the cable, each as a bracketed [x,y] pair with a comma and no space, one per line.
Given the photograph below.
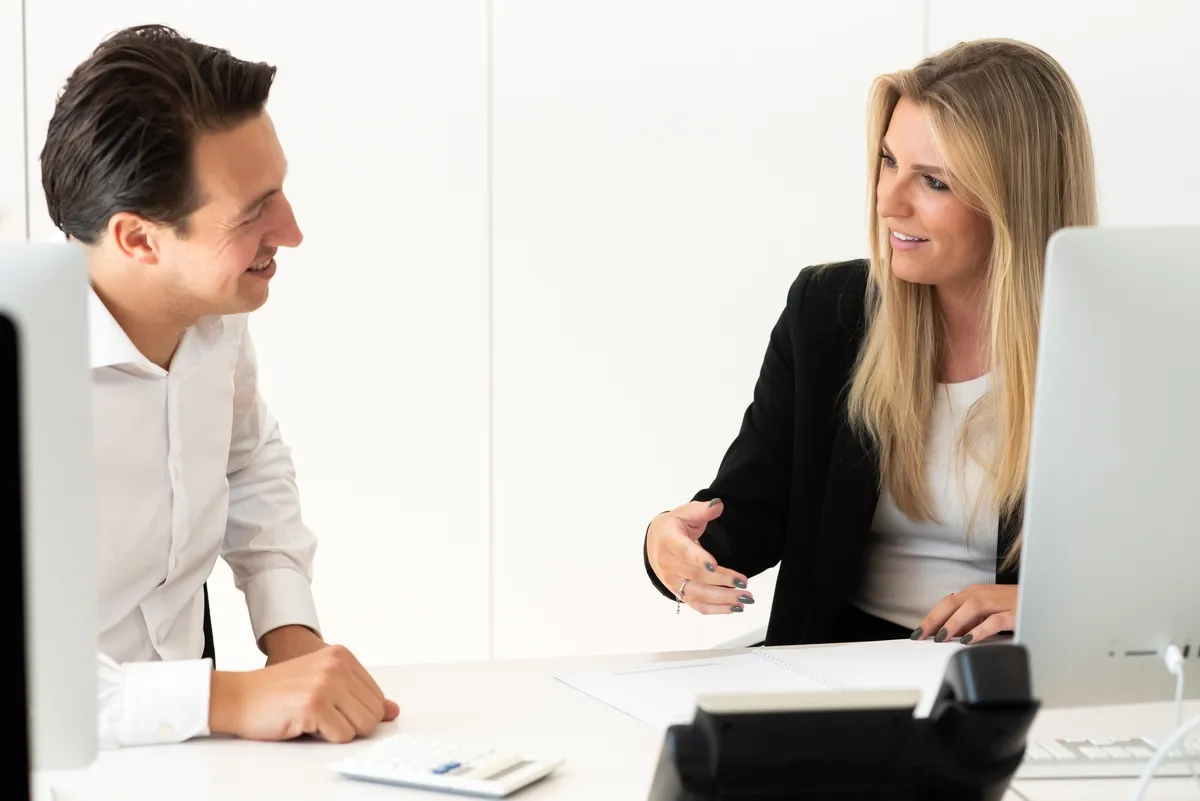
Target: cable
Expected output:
[1179,699]
[1163,750]
[1173,659]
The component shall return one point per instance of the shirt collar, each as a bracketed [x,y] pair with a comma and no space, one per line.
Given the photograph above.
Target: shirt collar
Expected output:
[109,344]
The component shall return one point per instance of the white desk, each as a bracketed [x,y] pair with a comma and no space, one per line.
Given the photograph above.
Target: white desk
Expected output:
[610,757]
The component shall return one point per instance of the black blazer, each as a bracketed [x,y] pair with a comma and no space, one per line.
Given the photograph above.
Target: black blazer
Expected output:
[799,486]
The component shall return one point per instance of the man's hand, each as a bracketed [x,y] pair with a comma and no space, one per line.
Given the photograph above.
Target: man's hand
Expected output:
[976,613]
[326,693]
[289,642]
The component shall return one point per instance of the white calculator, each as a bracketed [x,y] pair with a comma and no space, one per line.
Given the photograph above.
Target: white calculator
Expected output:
[413,760]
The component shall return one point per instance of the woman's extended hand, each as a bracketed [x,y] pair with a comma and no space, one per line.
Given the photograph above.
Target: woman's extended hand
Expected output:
[975,614]
[676,558]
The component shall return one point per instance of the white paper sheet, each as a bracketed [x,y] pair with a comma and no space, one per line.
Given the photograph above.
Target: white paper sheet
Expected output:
[887,665]
[664,693]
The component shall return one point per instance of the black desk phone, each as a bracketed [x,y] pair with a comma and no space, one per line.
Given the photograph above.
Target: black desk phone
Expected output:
[859,745]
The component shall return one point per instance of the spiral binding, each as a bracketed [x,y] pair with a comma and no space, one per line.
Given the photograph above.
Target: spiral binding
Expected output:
[799,671]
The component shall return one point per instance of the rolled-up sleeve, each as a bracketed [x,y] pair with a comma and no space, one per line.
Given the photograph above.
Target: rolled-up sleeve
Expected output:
[147,703]
[267,545]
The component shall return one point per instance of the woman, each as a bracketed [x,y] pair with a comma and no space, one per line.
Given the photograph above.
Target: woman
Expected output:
[882,462]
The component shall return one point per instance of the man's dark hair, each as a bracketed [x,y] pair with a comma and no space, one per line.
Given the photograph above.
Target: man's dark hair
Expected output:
[122,132]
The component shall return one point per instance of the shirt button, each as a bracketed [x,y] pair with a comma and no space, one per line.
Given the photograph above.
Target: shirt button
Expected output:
[166,730]
[175,563]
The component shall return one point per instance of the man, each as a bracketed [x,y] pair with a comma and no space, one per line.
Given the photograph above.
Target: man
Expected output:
[161,161]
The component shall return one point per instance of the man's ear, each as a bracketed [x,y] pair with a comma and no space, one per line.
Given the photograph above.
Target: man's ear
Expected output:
[135,237]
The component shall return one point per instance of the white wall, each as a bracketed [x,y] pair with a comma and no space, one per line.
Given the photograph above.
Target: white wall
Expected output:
[661,172]
[1135,67]
[525,320]
[12,125]
[374,345]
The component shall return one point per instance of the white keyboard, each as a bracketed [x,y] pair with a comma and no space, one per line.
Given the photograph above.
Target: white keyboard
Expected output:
[416,761]
[1086,759]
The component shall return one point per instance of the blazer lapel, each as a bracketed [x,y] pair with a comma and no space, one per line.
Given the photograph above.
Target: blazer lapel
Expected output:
[851,495]
[1010,529]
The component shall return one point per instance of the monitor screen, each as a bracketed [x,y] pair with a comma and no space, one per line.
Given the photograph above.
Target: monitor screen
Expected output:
[12,585]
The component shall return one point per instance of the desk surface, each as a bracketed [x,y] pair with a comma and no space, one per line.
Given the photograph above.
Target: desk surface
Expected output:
[518,705]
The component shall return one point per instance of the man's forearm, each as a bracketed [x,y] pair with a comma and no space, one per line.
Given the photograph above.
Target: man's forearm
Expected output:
[289,642]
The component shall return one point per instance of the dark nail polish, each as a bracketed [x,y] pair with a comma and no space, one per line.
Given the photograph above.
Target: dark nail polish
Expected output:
[741,585]
[737,608]
[746,599]
[941,636]
[713,502]
[709,567]
[917,634]
[967,639]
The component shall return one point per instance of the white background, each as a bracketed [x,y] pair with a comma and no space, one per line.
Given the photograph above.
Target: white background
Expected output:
[545,244]
[12,125]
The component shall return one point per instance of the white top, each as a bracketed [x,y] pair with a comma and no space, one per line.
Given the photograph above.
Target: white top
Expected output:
[189,465]
[911,566]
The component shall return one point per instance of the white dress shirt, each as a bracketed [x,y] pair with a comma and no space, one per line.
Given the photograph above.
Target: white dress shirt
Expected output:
[912,566]
[189,465]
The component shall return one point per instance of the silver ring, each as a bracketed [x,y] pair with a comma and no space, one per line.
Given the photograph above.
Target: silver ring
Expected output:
[681,586]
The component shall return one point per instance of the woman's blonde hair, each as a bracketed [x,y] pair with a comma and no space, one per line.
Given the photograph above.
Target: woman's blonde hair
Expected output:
[1013,135]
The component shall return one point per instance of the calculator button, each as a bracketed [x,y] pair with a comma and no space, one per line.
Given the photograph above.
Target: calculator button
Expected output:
[490,765]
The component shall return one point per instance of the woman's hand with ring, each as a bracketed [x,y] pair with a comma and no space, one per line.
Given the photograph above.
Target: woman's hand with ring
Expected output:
[676,557]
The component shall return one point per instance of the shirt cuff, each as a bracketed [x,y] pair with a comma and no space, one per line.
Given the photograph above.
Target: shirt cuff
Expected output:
[164,702]
[280,597]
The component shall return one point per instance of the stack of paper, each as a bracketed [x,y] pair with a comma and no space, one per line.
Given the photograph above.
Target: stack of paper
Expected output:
[664,693]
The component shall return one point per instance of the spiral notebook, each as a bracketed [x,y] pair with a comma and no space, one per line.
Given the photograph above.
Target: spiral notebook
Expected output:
[664,693]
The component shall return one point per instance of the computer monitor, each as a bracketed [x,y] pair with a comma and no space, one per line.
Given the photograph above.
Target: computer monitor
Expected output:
[1110,566]
[46,498]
